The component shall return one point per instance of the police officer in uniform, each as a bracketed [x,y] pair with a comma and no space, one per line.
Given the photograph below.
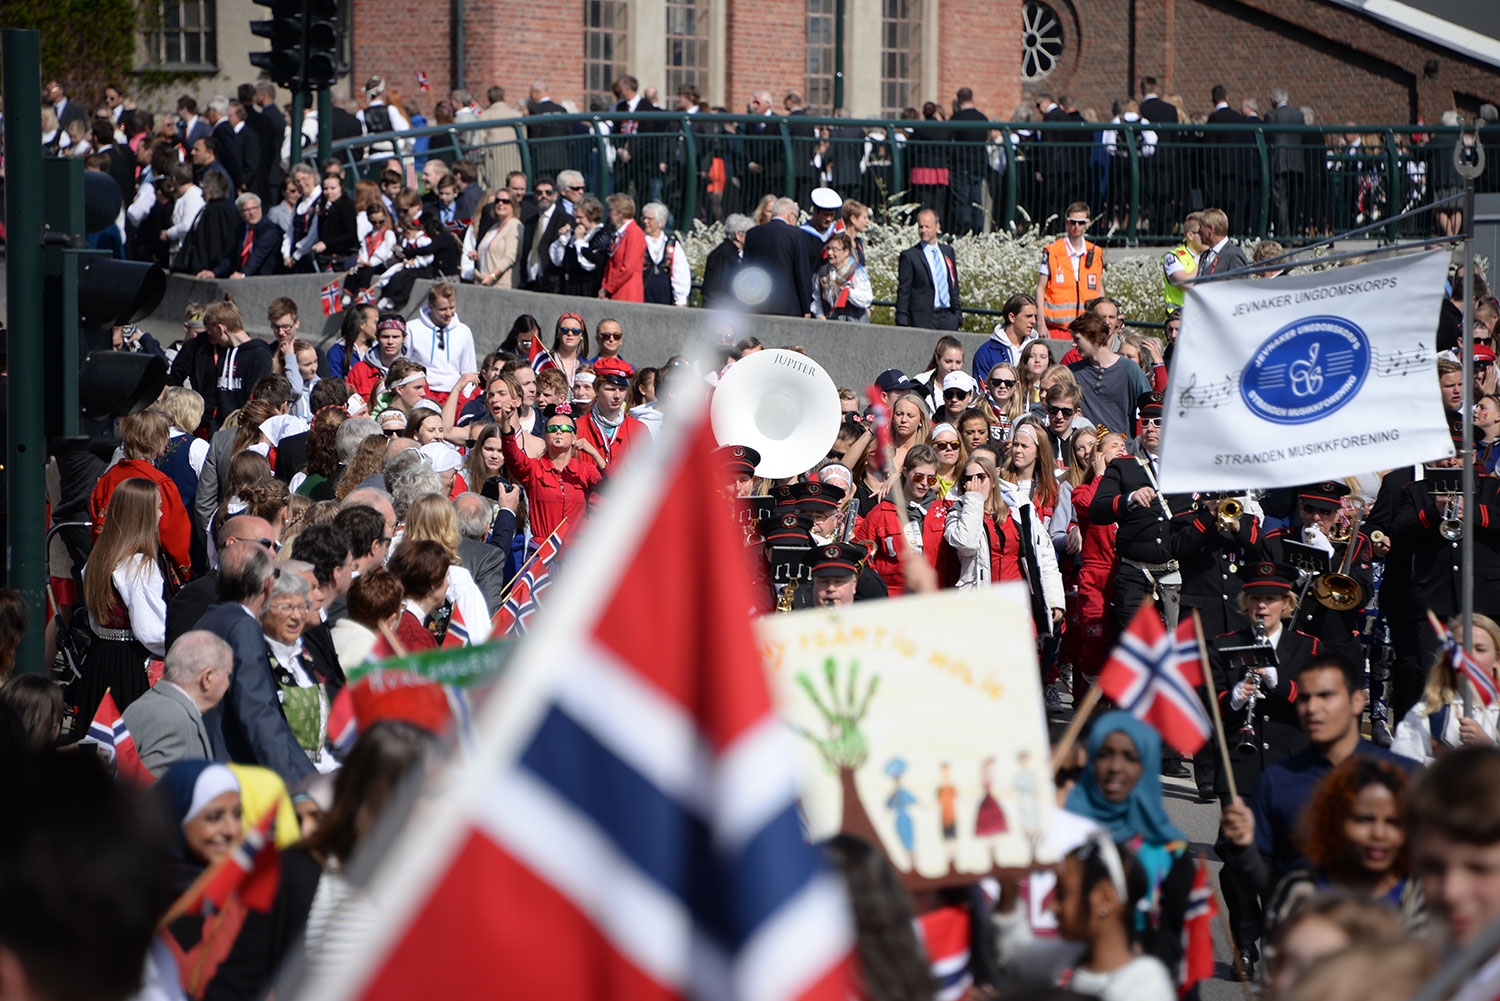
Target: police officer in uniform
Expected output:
[1318,507]
[1259,717]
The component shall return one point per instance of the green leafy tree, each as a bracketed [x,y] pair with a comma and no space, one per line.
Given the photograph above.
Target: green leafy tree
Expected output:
[86,44]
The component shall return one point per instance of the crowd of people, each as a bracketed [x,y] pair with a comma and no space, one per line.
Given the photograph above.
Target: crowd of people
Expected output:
[285,514]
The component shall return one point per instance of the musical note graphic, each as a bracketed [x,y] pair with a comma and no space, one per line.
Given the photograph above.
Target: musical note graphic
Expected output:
[1306,376]
[1210,397]
[1400,363]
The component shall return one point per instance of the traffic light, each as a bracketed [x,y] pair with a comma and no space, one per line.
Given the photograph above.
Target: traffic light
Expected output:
[286,29]
[322,43]
[111,293]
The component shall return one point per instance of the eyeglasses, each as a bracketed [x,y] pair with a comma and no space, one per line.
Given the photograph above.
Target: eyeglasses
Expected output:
[575,331]
[1003,383]
[945,445]
[270,544]
[1150,422]
[283,326]
[559,428]
[923,479]
[1078,222]
[836,456]
[954,394]
[292,606]
[574,187]
[611,337]
[974,476]
[1062,411]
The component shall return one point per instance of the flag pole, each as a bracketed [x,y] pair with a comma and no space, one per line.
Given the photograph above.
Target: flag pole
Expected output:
[1075,727]
[397,647]
[1213,707]
[1463,689]
[505,591]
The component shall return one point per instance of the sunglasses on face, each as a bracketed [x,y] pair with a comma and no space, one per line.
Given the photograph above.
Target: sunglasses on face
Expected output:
[1151,422]
[575,331]
[954,394]
[974,476]
[923,479]
[611,337]
[1062,411]
[559,428]
[945,445]
[1003,383]
[503,201]
[544,192]
[1078,222]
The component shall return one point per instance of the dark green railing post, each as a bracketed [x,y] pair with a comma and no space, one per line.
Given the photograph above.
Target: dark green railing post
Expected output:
[299,108]
[690,169]
[524,141]
[1393,200]
[898,164]
[1012,165]
[1263,210]
[25,455]
[1134,210]
[789,174]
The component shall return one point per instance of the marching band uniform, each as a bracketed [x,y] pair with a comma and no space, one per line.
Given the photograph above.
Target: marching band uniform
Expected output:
[840,559]
[1399,661]
[1337,632]
[1149,540]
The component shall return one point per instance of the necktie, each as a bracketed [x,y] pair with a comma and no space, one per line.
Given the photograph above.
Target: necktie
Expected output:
[245,250]
[1211,262]
[939,276]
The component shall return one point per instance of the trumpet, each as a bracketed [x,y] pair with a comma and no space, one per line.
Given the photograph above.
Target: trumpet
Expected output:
[1451,527]
[1229,515]
[1339,591]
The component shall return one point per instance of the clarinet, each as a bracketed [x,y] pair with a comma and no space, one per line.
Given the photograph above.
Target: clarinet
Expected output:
[1246,744]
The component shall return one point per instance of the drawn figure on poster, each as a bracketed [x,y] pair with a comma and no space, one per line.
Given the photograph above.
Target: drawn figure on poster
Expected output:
[990,820]
[1028,802]
[900,803]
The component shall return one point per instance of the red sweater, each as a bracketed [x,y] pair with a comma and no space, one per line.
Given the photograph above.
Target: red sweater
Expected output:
[552,494]
[623,279]
[176,529]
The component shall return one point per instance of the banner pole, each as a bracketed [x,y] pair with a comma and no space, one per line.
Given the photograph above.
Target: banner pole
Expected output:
[1466,516]
[1213,705]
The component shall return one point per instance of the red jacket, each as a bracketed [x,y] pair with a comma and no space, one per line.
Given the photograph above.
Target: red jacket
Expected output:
[552,494]
[366,380]
[176,529]
[623,279]
[628,435]
[881,528]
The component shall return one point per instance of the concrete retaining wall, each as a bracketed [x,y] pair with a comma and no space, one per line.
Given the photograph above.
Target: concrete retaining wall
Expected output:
[853,354]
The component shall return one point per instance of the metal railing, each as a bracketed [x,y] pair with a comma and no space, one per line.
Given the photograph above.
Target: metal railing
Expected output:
[1294,183]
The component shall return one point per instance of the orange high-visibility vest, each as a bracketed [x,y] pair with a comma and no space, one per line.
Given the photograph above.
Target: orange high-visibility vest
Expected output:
[1065,294]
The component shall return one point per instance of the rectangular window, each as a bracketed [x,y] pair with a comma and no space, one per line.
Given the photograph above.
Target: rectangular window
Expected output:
[605,40]
[687,48]
[818,81]
[183,37]
[900,55]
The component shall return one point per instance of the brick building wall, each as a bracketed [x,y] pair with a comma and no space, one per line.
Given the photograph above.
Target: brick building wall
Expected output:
[766,48]
[1346,66]
[980,48]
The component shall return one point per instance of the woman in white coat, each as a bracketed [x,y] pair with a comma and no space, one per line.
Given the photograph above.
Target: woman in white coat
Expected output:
[996,536]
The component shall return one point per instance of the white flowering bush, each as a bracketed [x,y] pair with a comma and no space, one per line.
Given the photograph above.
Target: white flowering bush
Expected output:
[991,268]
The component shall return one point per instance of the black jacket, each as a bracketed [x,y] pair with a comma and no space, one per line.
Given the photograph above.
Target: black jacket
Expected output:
[914,287]
[719,269]
[230,154]
[337,229]
[780,250]
[265,251]
[210,240]
[1278,733]
[1435,560]
[1146,534]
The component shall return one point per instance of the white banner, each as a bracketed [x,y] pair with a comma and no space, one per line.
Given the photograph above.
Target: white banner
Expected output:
[1284,381]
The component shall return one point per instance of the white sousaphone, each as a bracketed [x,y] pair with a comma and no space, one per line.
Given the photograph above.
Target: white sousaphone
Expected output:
[783,405]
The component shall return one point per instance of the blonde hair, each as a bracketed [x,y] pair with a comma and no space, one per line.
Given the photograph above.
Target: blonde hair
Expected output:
[130,529]
[1442,683]
[430,518]
[145,434]
[924,423]
[183,407]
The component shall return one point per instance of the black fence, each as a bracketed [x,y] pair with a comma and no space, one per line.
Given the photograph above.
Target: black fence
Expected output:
[1293,183]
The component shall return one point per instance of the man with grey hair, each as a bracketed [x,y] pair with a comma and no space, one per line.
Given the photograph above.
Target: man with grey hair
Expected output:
[666,275]
[1289,157]
[249,720]
[350,433]
[256,248]
[723,263]
[778,250]
[407,477]
[167,721]
[485,562]
[555,224]
[226,141]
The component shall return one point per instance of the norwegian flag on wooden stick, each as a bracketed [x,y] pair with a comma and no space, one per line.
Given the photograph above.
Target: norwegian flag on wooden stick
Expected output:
[1154,674]
[108,732]
[540,357]
[627,827]
[1464,664]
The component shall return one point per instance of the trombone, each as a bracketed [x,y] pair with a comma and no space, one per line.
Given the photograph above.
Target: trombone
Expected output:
[1339,591]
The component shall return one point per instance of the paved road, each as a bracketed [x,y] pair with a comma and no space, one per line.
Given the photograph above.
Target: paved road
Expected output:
[1200,822]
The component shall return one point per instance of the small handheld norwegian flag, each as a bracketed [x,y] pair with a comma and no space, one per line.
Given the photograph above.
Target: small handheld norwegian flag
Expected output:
[1154,674]
[422,82]
[333,300]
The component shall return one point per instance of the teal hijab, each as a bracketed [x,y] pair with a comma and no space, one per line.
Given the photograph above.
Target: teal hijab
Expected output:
[1140,814]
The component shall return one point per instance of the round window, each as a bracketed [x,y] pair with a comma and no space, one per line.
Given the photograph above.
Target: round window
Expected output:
[1041,40]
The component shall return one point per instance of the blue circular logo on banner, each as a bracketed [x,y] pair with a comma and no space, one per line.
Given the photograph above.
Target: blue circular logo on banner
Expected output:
[1306,370]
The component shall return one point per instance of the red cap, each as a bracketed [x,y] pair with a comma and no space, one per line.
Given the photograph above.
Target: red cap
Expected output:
[1483,352]
[614,369]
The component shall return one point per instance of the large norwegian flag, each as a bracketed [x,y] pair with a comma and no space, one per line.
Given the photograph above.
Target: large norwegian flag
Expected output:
[627,827]
[1153,674]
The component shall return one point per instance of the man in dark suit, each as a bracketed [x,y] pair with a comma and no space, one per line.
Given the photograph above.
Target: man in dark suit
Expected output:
[1158,171]
[485,563]
[779,249]
[550,156]
[167,721]
[190,128]
[226,142]
[249,721]
[121,159]
[546,276]
[1223,254]
[344,124]
[68,111]
[264,102]
[1288,167]
[635,155]
[1224,156]
[252,149]
[195,597]
[927,280]
[257,243]
[764,158]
